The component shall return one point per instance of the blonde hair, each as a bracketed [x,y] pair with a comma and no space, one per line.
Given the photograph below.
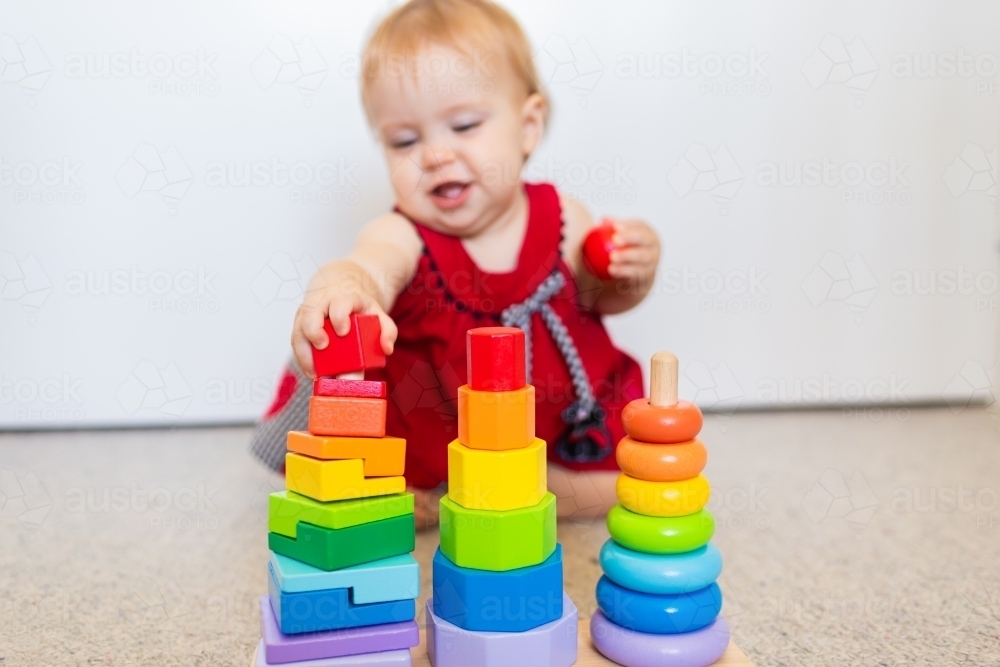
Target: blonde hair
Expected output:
[469,26]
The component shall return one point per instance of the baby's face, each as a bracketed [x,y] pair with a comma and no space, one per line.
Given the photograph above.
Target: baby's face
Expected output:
[455,138]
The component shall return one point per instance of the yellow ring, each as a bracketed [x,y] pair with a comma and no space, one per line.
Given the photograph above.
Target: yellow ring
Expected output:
[663,498]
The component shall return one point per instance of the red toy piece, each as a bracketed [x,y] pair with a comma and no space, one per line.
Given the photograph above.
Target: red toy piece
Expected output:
[353,388]
[495,358]
[358,350]
[597,247]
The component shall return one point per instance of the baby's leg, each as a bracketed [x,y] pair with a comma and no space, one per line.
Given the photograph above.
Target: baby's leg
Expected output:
[426,507]
[582,495]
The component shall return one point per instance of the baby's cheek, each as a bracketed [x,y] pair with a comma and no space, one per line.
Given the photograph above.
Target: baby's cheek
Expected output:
[405,176]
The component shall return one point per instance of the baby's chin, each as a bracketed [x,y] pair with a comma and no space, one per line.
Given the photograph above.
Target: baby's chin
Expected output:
[462,221]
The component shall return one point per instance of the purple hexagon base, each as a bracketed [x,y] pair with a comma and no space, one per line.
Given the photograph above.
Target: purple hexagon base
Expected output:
[399,658]
[549,645]
[700,648]
[282,649]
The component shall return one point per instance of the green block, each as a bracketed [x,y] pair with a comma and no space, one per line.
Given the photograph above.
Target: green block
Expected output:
[498,541]
[660,534]
[285,509]
[343,547]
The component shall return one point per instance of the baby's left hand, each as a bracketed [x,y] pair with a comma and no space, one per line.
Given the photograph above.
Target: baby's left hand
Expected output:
[637,251]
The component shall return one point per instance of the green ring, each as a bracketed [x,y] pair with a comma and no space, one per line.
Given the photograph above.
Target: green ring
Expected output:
[660,535]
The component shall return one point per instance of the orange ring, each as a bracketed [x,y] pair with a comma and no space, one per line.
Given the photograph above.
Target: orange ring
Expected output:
[661,463]
[661,425]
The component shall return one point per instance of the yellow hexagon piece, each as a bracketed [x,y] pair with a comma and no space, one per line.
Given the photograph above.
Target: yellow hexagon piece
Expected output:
[496,420]
[484,480]
[336,480]
[663,498]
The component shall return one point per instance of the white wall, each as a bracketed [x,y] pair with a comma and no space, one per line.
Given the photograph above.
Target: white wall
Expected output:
[119,173]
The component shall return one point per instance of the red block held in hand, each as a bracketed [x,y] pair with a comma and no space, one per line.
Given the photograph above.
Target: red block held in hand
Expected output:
[360,349]
[495,358]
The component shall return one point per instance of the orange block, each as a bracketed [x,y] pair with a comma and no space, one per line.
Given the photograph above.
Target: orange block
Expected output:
[496,420]
[347,415]
[383,457]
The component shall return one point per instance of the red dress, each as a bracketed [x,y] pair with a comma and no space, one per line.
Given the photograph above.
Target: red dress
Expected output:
[449,295]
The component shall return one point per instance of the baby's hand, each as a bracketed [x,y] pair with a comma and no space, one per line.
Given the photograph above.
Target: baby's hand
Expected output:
[637,251]
[336,301]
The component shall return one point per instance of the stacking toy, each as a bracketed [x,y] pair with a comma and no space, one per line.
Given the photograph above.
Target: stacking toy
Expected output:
[342,585]
[498,578]
[658,601]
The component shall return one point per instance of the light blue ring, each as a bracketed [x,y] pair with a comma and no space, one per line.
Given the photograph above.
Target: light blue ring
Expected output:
[661,573]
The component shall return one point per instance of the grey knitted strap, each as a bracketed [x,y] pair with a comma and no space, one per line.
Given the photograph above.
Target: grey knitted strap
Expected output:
[519,315]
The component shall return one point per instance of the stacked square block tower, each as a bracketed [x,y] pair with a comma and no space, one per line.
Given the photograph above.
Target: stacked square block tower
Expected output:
[658,601]
[498,596]
[342,582]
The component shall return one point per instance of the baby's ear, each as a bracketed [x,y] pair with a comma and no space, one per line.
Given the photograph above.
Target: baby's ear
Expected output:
[533,114]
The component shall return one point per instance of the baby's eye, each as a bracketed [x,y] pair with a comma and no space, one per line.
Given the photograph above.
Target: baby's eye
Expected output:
[465,127]
[403,143]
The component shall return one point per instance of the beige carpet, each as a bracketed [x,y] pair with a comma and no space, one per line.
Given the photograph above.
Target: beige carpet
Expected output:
[858,539]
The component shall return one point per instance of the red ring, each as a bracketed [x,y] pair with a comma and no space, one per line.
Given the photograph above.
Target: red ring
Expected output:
[661,425]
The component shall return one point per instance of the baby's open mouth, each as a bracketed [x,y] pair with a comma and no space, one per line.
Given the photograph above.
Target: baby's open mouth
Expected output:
[450,194]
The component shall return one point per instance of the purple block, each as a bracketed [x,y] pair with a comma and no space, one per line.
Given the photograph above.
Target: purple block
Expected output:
[627,647]
[400,658]
[549,645]
[281,648]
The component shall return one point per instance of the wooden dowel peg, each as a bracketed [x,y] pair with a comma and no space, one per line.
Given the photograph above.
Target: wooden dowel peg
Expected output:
[663,380]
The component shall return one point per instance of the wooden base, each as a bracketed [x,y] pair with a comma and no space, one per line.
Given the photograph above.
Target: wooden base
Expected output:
[588,655]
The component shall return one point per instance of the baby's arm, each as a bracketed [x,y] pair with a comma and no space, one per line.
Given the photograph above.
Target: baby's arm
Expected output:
[633,263]
[368,280]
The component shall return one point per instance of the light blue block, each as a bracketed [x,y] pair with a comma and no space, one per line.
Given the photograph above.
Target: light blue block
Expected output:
[663,574]
[395,578]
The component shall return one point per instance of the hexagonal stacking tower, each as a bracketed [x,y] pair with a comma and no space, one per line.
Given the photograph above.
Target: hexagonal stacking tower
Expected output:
[659,603]
[342,582]
[498,585]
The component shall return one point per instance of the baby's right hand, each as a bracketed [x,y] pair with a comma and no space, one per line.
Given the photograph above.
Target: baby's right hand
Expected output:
[337,302]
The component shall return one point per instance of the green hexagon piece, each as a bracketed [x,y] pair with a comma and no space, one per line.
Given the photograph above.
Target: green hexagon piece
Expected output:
[498,541]
[285,509]
[660,534]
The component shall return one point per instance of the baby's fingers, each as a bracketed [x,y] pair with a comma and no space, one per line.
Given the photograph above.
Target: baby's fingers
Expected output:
[340,311]
[638,255]
[389,332]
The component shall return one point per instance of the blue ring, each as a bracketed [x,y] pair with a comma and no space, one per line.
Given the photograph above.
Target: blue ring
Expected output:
[659,614]
[662,574]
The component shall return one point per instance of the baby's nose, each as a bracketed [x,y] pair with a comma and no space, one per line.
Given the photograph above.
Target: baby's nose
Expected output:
[436,156]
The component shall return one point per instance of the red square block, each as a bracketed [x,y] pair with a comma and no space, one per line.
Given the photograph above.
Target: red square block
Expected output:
[358,350]
[356,388]
[495,358]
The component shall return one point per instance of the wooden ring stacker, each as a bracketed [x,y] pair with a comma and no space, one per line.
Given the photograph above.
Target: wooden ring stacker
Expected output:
[662,419]
[661,463]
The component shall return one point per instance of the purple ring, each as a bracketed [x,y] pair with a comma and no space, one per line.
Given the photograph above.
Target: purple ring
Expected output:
[641,649]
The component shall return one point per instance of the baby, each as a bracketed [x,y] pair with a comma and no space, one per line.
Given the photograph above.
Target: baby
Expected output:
[450,89]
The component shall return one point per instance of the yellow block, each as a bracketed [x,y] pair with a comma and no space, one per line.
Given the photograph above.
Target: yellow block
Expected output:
[336,480]
[663,498]
[497,481]
[496,420]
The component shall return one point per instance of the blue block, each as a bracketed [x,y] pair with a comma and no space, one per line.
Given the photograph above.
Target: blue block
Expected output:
[331,609]
[385,580]
[487,601]
[658,614]
[661,573]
